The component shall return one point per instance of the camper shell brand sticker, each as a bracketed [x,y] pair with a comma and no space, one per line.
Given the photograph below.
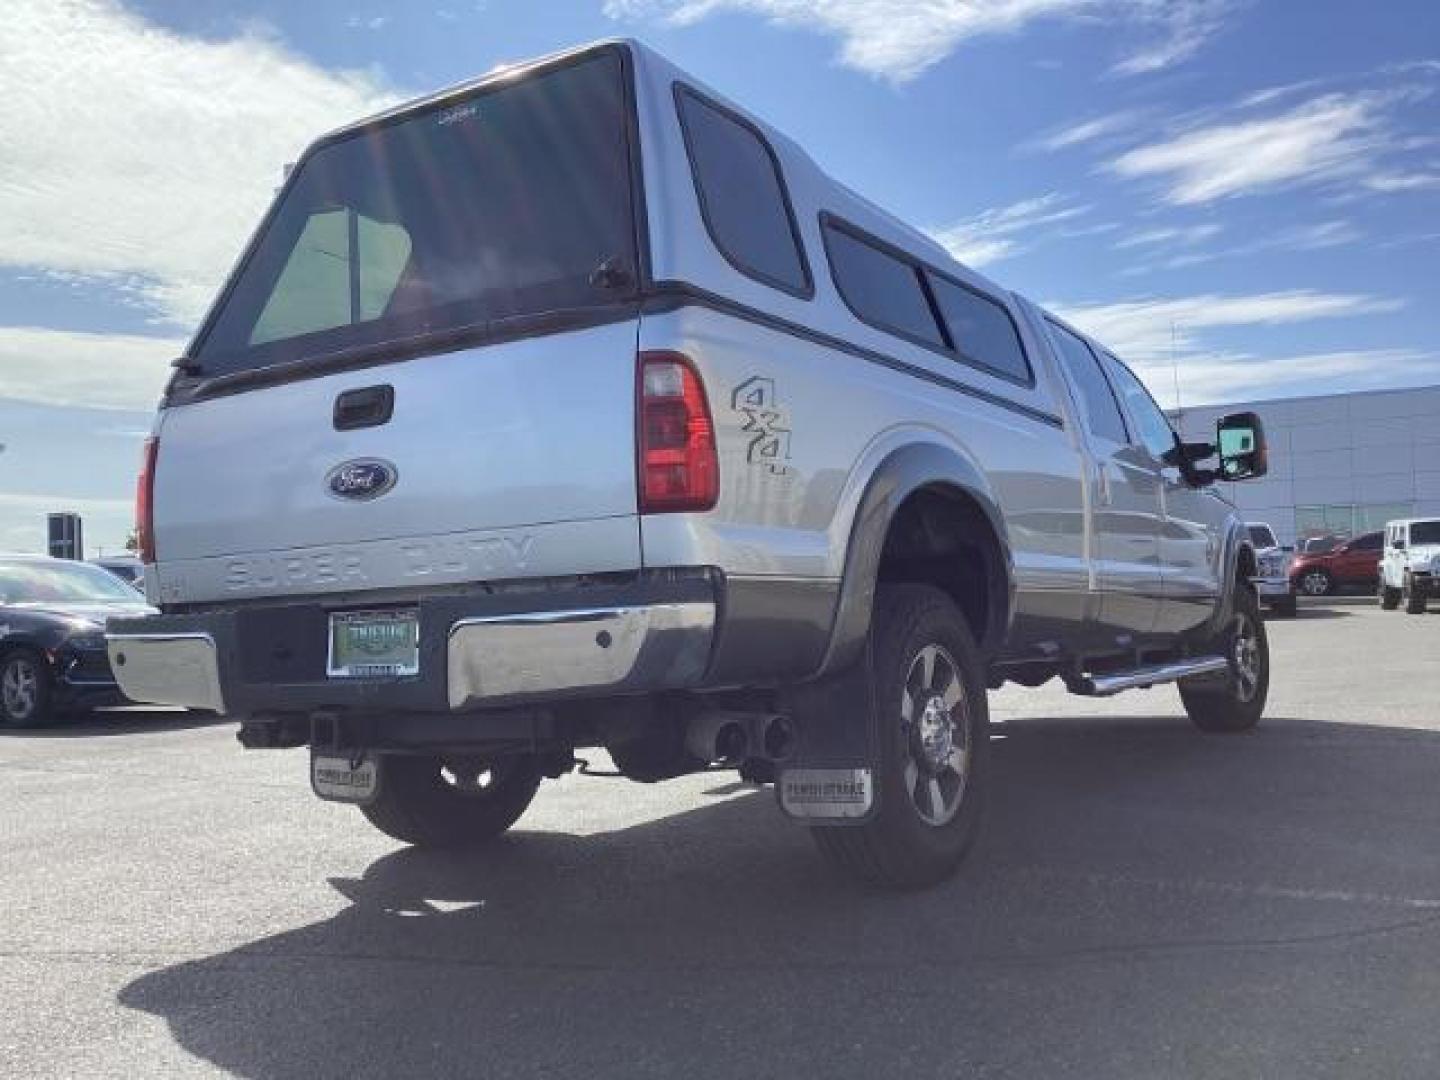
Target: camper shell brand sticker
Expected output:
[826,793]
[456,114]
[361,479]
[765,422]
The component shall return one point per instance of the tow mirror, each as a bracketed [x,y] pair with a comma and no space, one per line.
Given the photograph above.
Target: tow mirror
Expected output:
[1240,440]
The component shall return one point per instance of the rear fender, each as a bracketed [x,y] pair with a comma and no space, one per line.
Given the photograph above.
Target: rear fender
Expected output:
[901,473]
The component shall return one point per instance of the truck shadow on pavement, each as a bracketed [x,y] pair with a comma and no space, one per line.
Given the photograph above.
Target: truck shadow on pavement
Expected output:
[1145,901]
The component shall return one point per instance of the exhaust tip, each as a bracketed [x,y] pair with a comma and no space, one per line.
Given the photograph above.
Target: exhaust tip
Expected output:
[778,739]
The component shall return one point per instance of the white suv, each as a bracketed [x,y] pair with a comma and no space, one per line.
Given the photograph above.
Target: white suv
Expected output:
[1411,564]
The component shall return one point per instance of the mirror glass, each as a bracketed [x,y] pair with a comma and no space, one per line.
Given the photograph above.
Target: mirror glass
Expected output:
[1240,439]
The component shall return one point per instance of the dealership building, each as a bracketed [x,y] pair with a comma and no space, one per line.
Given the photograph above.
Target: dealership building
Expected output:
[1340,464]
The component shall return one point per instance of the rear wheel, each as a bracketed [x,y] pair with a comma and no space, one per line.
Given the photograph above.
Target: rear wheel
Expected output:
[1414,597]
[24,690]
[1316,582]
[1236,701]
[932,748]
[451,801]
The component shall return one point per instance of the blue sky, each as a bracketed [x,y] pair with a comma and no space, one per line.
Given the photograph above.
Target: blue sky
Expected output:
[1249,187]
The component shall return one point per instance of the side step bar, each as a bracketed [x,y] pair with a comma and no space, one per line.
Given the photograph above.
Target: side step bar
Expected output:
[1106,685]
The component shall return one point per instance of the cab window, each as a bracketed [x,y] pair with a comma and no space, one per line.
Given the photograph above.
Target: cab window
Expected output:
[1153,430]
[1097,399]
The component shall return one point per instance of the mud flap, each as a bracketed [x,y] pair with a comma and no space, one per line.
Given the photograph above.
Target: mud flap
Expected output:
[345,777]
[830,777]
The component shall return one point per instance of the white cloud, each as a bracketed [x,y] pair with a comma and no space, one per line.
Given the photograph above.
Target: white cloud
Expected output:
[1004,231]
[1401,181]
[142,157]
[103,371]
[1088,130]
[1186,27]
[899,39]
[1214,379]
[1329,136]
[1175,235]
[1145,331]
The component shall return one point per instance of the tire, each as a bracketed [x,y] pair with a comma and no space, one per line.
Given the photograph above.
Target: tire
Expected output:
[1237,702]
[1414,598]
[418,804]
[1315,582]
[1286,607]
[26,699]
[1389,598]
[920,643]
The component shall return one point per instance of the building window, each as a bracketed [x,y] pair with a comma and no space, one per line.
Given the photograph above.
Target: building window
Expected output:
[1345,520]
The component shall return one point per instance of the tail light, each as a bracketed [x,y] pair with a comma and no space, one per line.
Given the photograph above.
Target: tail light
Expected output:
[678,464]
[145,503]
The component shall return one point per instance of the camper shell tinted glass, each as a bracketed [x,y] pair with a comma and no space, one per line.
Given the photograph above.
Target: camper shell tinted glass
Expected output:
[512,200]
[880,287]
[742,194]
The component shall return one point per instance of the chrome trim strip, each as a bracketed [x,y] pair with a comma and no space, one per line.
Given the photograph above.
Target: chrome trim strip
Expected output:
[167,669]
[543,652]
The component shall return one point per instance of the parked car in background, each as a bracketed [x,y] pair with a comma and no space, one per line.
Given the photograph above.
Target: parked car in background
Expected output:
[1410,568]
[1272,578]
[127,568]
[1352,565]
[52,637]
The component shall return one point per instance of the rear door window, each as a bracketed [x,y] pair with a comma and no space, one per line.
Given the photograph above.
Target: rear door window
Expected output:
[514,200]
[742,194]
[880,288]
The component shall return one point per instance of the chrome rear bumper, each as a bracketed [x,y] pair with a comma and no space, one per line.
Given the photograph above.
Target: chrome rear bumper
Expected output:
[167,669]
[482,659]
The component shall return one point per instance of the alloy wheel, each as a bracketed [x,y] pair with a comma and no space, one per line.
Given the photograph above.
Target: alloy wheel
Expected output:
[934,718]
[1245,657]
[20,688]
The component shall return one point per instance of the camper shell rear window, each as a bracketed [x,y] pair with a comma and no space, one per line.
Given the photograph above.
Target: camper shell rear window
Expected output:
[515,199]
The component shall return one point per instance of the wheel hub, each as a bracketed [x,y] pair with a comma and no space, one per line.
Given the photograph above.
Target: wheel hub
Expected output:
[935,734]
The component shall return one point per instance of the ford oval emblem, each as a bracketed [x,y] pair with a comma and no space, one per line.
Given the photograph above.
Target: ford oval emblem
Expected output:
[361,479]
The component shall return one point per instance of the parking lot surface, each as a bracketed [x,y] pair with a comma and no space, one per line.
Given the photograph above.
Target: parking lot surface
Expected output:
[1145,902]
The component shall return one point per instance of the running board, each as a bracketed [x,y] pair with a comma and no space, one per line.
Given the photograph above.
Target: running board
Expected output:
[1106,685]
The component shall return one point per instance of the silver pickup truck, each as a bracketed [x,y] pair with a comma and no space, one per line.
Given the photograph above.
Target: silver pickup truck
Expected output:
[575,407]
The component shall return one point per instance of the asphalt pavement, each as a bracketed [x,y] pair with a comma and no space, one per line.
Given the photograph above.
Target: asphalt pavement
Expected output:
[1146,901]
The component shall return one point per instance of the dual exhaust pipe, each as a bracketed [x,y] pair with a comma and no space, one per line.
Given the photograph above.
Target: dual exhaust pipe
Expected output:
[730,738]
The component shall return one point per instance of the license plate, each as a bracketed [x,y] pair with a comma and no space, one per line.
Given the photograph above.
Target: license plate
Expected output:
[343,779]
[374,644]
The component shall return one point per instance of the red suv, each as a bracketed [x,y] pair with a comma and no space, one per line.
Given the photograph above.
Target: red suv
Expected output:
[1353,564]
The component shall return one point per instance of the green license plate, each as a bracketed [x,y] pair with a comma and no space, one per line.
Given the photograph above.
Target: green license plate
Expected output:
[374,644]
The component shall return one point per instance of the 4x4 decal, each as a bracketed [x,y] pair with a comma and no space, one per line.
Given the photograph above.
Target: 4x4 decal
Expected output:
[765,422]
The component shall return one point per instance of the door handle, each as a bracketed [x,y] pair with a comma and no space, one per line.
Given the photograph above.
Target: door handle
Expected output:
[368,406]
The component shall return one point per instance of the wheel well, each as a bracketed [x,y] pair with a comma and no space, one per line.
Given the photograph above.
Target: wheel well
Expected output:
[941,536]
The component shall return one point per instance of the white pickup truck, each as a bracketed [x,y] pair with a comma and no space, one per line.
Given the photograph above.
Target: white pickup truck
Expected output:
[577,407]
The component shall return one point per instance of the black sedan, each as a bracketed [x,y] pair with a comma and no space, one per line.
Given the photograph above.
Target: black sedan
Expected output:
[52,637]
